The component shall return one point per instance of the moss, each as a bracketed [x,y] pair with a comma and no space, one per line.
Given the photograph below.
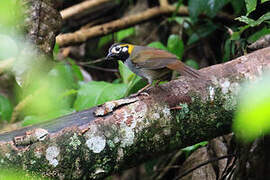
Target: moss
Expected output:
[200,119]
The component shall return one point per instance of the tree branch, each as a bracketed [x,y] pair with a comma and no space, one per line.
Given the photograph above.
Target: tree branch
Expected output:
[130,130]
[99,30]
[80,7]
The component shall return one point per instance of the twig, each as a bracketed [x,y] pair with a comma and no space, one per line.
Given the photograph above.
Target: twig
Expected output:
[78,8]
[22,104]
[92,62]
[6,64]
[101,69]
[163,3]
[202,164]
[84,34]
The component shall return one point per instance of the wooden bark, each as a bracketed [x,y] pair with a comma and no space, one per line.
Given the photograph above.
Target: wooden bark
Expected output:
[84,145]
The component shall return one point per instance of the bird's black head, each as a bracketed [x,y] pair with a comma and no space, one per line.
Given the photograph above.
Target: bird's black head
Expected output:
[120,51]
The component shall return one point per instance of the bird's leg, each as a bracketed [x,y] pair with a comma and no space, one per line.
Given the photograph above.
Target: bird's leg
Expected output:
[145,88]
[141,91]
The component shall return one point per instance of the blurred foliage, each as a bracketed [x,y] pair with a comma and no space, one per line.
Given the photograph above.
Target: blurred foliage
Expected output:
[11,14]
[5,108]
[63,90]
[117,36]
[252,118]
[12,174]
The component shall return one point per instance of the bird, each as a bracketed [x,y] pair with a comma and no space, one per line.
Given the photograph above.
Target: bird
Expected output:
[150,63]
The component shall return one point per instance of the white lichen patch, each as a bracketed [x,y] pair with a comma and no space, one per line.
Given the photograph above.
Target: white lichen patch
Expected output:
[120,154]
[225,85]
[51,155]
[156,116]
[116,139]
[97,172]
[157,138]
[166,112]
[7,155]
[74,141]
[96,143]
[127,136]
[38,154]
[32,162]
[211,93]
[167,131]
[231,100]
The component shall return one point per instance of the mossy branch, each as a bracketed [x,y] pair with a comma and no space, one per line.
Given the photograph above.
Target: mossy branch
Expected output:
[128,131]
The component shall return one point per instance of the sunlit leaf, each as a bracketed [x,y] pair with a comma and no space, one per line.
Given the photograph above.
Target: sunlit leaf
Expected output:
[158,45]
[76,70]
[12,174]
[123,34]
[250,5]
[188,150]
[5,108]
[175,45]
[252,22]
[263,1]
[97,92]
[11,13]
[252,118]
[125,73]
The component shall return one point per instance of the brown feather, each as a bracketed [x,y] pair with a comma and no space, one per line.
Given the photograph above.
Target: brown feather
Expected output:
[184,69]
[151,58]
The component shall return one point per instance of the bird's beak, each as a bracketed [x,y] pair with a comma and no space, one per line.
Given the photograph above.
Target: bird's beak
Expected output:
[109,56]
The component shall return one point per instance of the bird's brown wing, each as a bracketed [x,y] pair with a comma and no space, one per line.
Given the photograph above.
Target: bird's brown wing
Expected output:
[150,58]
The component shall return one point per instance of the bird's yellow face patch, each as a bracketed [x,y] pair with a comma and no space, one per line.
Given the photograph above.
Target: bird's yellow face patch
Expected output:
[130,47]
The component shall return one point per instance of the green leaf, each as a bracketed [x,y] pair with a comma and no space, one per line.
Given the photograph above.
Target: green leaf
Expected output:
[5,109]
[98,92]
[207,7]
[11,13]
[257,35]
[175,45]
[252,118]
[104,40]
[125,73]
[158,45]
[263,1]
[203,31]
[56,49]
[10,173]
[76,71]
[123,34]
[252,22]
[237,5]
[227,50]
[32,119]
[188,150]
[250,5]
[192,63]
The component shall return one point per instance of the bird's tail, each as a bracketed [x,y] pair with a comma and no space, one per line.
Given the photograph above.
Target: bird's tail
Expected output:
[185,70]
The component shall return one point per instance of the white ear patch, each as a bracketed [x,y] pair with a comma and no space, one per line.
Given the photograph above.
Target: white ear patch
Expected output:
[124,49]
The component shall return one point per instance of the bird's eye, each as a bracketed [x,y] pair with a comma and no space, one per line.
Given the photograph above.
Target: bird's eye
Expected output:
[116,50]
